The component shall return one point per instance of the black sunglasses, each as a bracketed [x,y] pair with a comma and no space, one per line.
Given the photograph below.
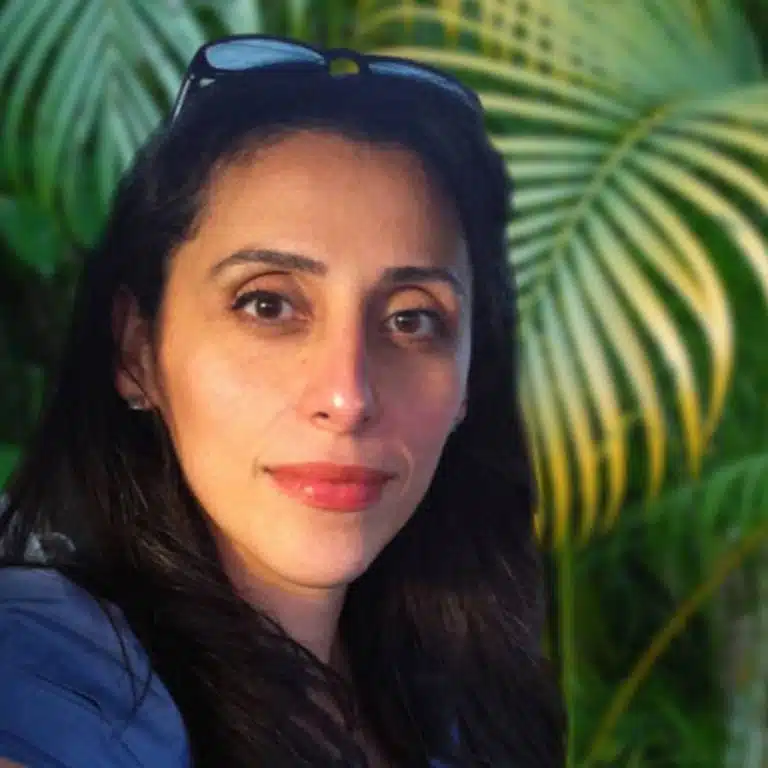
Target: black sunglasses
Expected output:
[245,53]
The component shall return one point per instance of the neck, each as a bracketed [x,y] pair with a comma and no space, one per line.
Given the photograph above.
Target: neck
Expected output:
[309,615]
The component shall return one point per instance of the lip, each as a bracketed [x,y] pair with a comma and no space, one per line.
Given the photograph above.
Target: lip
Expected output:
[340,487]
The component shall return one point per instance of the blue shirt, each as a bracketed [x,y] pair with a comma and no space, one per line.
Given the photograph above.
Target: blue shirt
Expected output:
[66,697]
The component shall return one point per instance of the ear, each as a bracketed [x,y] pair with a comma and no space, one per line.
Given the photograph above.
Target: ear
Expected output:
[134,369]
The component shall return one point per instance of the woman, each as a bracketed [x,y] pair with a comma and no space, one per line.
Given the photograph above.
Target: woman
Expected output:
[278,512]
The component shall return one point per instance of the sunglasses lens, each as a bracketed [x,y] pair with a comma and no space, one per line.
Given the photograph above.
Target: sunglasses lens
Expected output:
[247,54]
[239,55]
[398,69]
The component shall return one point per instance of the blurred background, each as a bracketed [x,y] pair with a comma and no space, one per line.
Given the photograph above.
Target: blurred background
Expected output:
[637,134]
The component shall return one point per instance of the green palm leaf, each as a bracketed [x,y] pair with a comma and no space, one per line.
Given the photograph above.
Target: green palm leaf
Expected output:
[626,122]
[236,16]
[730,503]
[84,76]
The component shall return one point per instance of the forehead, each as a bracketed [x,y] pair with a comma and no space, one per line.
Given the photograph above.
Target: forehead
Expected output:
[332,198]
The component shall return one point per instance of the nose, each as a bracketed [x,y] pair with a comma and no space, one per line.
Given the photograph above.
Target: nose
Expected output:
[338,395]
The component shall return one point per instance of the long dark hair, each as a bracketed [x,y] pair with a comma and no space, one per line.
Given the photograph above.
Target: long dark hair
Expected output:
[443,630]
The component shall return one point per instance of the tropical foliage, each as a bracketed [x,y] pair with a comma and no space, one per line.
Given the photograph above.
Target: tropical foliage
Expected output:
[637,135]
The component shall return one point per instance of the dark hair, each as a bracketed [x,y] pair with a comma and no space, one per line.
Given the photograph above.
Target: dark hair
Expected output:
[443,630]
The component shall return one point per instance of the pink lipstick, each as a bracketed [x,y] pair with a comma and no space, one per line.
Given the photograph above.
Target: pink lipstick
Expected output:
[343,488]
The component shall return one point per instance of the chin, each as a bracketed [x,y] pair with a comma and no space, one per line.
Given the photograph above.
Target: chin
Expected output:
[327,572]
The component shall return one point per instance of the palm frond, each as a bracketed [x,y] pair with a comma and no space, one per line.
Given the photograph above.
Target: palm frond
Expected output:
[82,76]
[623,118]
[236,16]
[727,504]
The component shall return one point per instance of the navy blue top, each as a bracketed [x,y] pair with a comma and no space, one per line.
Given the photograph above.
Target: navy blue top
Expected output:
[66,696]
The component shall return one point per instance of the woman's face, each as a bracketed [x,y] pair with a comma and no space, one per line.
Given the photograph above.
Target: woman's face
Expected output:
[313,353]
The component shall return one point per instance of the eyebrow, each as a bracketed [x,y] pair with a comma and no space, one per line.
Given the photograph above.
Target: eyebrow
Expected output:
[299,263]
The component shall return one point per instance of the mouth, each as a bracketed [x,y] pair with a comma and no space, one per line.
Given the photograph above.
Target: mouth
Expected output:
[342,488]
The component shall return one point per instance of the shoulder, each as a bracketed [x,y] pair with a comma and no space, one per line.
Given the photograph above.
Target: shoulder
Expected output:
[77,685]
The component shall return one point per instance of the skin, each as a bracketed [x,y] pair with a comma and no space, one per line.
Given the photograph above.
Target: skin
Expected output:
[332,371]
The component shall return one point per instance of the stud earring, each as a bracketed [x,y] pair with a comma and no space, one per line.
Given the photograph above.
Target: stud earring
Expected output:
[137,403]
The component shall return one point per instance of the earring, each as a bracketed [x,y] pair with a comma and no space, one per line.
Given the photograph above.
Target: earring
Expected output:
[137,403]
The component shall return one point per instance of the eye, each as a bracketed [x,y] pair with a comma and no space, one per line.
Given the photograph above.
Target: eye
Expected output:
[266,306]
[416,324]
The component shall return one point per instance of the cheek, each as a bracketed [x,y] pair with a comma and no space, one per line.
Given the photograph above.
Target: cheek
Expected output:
[215,395]
[424,410]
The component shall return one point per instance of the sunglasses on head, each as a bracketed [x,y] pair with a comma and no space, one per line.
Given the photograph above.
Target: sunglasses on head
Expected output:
[246,53]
